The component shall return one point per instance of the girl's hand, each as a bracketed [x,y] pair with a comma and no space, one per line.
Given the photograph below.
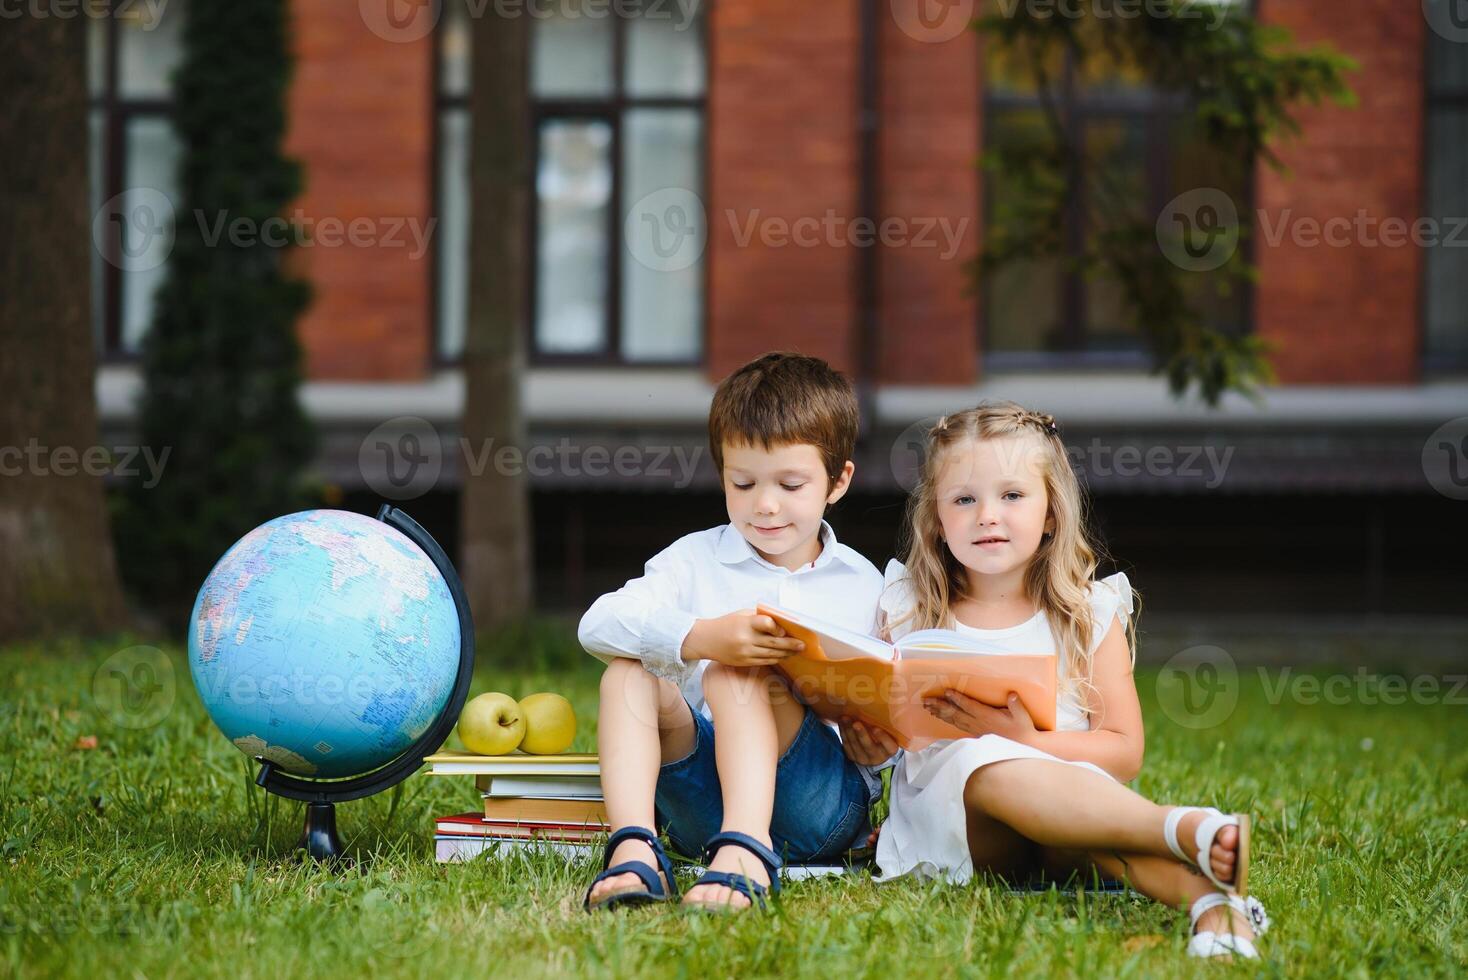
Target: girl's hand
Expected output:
[865,745]
[978,718]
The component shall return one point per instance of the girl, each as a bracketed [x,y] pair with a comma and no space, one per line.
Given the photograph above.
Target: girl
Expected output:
[997,548]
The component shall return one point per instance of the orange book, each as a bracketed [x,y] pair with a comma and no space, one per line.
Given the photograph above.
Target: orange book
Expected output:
[529,810]
[841,673]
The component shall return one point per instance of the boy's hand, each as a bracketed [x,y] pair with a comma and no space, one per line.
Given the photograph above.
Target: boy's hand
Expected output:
[865,745]
[740,639]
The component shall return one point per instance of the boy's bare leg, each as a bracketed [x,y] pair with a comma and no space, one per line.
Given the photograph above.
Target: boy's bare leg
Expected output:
[757,705]
[643,722]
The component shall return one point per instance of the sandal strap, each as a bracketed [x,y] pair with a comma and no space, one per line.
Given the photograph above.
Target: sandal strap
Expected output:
[1210,944]
[1206,903]
[1170,825]
[767,857]
[640,869]
[1250,908]
[1207,831]
[735,881]
[632,832]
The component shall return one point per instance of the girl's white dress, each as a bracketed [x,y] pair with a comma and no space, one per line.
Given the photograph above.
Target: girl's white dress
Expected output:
[926,833]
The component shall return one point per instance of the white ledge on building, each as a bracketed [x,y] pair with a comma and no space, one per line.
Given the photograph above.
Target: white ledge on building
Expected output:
[680,397]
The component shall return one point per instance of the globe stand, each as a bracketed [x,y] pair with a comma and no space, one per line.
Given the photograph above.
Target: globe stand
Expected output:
[319,837]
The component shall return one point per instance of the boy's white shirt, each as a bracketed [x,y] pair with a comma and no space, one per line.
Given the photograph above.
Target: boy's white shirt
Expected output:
[709,574]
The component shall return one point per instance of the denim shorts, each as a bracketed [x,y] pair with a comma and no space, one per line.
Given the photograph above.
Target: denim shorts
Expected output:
[821,799]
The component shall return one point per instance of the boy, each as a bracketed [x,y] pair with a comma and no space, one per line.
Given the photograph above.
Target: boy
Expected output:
[687,658]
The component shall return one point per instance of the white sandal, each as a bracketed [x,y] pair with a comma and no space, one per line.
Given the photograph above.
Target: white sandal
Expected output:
[1210,944]
[1207,830]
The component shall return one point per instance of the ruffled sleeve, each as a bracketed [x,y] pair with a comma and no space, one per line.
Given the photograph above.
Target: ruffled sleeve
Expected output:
[1111,598]
[896,601]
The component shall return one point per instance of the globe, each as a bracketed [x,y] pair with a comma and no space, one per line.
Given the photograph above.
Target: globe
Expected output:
[325,642]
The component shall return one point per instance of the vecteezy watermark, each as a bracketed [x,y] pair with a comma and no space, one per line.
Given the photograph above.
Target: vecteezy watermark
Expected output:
[834,230]
[402,459]
[1097,458]
[34,459]
[1363,230]
[1199,231]
[405,21]
[1448,18]
[137,230]
[134,688]
[933,21]
[667,230]
[134,230]
[1199,687]
[146,13]
[1445,459]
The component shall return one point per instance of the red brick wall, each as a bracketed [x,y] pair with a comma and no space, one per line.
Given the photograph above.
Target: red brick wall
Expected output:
[361,123]
[1341,315]
[782,146]
[930,141]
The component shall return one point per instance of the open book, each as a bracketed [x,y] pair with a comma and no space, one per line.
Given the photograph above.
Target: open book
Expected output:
[841,673]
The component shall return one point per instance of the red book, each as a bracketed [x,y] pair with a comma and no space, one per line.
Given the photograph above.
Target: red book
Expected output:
[474,825]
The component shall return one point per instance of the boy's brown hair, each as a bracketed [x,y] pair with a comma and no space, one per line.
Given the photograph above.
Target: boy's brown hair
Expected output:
[780,399]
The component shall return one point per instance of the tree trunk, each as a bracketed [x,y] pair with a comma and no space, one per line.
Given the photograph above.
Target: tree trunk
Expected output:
[57,567]
[495,515]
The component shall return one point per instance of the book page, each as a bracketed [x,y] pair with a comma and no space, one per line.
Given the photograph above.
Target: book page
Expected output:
[836,642]
[945,643]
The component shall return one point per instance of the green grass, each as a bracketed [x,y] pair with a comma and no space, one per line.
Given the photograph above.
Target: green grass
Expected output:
[154,855]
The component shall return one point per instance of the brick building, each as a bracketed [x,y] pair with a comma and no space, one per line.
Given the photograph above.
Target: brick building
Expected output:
[706,176]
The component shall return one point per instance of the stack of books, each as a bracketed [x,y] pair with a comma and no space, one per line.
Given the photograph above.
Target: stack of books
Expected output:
[539,802]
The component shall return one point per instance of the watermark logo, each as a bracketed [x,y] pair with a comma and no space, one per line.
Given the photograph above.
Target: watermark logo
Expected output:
[1445,459]
[134,230]
[135,688]
[400,21]
[402,458]
[909,450]
[1199,231]
[1199,687]
[667,230]
[933,21]
[1447,18]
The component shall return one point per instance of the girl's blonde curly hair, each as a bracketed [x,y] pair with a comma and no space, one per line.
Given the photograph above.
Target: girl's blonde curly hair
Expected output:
[1059,577]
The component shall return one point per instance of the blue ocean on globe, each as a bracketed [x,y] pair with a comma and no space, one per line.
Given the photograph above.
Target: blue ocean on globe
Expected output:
[326,642]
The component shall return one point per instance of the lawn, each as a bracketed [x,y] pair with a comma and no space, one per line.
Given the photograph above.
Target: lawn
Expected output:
[153,854]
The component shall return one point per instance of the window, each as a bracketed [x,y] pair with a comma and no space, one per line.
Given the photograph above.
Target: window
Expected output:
[1446,305]
[1046,312]
[133,155]
[618,110]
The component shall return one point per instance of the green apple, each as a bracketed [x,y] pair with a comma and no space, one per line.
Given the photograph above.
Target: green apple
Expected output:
[550,723]
[491,724]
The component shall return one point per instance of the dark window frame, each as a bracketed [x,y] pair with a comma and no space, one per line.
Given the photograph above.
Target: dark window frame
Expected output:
[1435,362]
[118,114]
[612,110]
[1079,110]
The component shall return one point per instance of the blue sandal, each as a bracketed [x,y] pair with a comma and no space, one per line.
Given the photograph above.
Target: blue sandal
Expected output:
[653,892]
[752,890]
